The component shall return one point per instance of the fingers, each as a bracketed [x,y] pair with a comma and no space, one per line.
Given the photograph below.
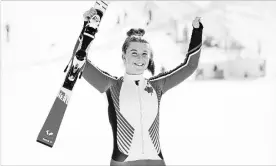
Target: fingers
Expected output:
[197,19]
[196,22]
[89,14]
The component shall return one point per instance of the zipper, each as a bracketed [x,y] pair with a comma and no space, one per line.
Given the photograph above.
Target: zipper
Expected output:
[141,118]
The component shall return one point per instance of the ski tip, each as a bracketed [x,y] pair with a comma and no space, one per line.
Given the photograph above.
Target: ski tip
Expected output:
[44,143]
[106,3]
[101,5]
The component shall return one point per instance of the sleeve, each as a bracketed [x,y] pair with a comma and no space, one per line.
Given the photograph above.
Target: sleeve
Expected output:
[97,78]
[173,77]
[94,76]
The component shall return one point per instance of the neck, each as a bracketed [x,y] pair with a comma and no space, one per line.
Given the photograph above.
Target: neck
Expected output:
[134,76]
[133,73]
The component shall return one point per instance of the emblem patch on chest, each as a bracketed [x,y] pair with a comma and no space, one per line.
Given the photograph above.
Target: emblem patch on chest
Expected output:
[149,89]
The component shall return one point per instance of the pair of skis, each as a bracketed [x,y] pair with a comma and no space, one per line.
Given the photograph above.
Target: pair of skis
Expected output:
[49,131]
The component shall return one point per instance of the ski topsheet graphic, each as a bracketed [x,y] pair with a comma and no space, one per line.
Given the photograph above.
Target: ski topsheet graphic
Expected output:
[49,131]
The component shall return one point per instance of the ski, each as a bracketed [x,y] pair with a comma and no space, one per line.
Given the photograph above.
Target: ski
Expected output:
[50,128]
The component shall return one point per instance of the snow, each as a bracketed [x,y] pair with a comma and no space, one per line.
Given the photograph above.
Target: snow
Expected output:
[202,122]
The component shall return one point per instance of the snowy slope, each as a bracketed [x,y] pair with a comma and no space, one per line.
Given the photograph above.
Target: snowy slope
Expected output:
[215,121]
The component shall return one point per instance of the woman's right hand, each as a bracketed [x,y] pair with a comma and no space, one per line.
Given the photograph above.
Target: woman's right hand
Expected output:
[89,14]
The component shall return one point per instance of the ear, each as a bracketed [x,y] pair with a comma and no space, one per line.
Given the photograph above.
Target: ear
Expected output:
[124,57]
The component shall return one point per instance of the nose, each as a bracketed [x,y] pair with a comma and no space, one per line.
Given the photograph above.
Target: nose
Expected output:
[139,56]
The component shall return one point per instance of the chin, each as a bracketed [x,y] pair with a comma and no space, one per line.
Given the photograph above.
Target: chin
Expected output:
[139,71]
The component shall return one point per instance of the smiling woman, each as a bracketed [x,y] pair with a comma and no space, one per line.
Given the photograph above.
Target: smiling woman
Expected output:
[137,54]
[134,100]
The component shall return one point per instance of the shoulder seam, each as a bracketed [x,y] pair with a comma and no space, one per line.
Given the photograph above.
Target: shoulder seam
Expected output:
[103,72]
[189,54]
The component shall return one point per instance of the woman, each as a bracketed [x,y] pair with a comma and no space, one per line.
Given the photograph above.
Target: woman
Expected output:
[134,100]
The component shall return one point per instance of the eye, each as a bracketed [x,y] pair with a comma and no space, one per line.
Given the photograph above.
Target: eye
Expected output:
[145,54]
[134,53]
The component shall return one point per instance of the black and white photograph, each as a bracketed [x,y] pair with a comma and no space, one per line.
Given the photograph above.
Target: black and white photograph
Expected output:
[138,83]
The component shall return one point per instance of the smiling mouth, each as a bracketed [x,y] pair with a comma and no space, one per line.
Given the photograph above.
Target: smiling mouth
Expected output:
[139,64]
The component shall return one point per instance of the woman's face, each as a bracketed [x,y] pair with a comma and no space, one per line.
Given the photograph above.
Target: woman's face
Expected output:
[136,58]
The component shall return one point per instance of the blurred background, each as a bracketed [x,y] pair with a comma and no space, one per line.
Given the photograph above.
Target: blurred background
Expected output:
[223,114]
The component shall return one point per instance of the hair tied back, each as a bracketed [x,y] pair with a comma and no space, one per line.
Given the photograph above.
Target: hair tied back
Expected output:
[136,32]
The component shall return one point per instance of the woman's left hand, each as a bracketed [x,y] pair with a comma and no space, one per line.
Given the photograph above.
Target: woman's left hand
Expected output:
[196,22]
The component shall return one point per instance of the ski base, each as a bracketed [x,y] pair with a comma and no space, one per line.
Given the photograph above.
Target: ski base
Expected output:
[48,134]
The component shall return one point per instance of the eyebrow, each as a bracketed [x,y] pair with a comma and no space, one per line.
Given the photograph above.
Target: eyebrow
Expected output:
[136,50]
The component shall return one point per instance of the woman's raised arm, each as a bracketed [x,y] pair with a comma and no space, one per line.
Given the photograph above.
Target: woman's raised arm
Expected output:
[173,77]
[93,75]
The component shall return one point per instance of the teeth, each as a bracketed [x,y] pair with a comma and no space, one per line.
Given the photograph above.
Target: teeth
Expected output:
[139,64]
